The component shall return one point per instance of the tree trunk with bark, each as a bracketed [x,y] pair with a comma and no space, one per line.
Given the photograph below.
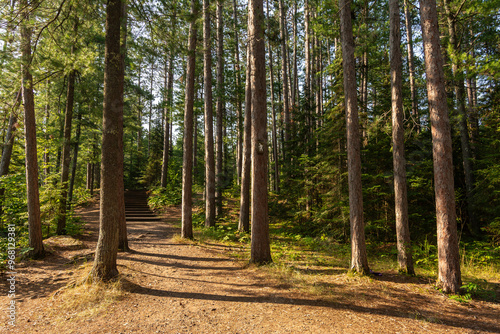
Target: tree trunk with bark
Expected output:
[359,261]
[260,252]
[411,66]
[284,73]
[405,260]
[239,108]
[449,276]
[219,172]
[276,186]
[187,160]
[166,125]
[75,159]
[209,127]
[34,220]
[295,86]
[458,82]
[123,235]
[112,202]
[66,154]
[244,221]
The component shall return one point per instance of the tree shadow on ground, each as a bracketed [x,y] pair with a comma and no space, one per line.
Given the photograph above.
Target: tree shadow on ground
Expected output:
[450,318]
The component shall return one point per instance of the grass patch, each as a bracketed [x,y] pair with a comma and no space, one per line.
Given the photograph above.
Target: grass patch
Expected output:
[82,299]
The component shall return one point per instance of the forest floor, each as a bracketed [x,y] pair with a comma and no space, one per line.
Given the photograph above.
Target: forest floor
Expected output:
[171,286]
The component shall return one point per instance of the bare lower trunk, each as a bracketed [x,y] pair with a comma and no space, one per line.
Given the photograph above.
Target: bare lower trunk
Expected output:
[112,202]
[449,275]
[260,252]
[34,221]
[209,128]
[276,186]
[359,261]
[244,221]
[239,114]
[166,125]
[219,173]
[400,194]
[66,154]
[187,160]
[75,159]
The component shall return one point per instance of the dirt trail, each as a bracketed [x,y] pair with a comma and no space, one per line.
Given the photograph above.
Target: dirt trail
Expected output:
[195,288]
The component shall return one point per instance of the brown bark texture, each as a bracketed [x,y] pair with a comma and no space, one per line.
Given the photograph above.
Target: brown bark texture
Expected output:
[449,275]
[219,172]
[34,220]
[239,108]
[187,160]
[209,127]
[359,261]
[244,221]
[166,125]
[398,148]
[66,153]
[260,252]
[112,202]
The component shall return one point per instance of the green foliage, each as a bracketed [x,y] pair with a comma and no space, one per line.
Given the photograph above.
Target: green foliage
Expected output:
[477,289]
[14,203]
[425,254]
[159,197]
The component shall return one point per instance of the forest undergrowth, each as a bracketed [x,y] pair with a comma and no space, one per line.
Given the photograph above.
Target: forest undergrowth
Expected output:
[314,261]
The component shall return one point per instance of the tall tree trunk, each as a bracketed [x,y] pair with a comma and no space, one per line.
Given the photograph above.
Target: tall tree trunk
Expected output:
[411,66]
[150,114]
[458,82]
[209,127]
[274,131]
[165,127]
[66,151]
[219,172]
[195,142]
[34,221]
[123,235]
[307,43]
[405,260]
[295,89]
[187,160]
[112,202]
[244,222]
[359,261]
[139,109]
[46,156]
[473,115]
[260,252]
[284,73]
[75,159]
[169,77]
[89,176]
[448,254]
[66,154]
[239,112]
